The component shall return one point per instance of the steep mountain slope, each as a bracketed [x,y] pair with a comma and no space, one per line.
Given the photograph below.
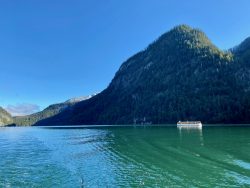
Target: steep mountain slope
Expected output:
[242,52]
[5,118]
[181,76]
[51,110]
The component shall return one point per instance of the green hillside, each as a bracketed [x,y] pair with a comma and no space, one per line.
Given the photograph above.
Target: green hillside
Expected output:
[50,111]
[5,118]
[180,76]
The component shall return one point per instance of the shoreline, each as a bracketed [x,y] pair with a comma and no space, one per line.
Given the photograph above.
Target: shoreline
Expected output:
[123,126]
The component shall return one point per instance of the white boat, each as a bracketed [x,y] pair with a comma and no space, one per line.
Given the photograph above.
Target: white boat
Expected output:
[189,124]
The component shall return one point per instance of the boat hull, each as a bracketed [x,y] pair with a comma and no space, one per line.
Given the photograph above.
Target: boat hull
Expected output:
[189,125]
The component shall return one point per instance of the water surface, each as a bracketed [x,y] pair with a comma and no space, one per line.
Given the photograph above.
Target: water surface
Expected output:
[125,157]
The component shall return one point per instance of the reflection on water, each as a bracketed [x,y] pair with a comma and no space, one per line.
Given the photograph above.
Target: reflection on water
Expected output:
[191,133]
[125,157]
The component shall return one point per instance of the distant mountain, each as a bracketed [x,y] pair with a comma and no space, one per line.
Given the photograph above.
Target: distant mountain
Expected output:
[51,110]
[180,76]
[79,99]
[5,118]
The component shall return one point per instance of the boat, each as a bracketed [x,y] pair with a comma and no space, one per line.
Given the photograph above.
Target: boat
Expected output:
[189,124]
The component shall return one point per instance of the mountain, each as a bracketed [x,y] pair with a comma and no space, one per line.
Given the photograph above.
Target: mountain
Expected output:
[79,99]
[50,111]
[180,76]
[5,118]
[242,52]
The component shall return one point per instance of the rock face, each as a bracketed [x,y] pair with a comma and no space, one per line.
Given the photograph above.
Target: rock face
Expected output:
[5,118]
[50,111]
[180,76]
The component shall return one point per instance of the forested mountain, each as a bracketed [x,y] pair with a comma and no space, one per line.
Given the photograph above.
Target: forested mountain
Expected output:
[242,52]
[51,110]
[180,76]
[5,118]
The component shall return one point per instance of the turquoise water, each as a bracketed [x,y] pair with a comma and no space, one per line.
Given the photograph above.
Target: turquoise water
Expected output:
[125,157]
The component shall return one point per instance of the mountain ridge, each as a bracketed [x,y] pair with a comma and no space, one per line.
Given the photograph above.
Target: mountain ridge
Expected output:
[49,111]
[180,76]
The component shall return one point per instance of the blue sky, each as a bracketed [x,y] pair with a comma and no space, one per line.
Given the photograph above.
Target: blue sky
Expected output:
[53,50]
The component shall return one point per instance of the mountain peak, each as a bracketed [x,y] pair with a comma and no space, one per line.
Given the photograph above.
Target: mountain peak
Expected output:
[182,27]
[183,36]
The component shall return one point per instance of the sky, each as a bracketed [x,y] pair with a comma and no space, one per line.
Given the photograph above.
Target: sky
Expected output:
[54,50]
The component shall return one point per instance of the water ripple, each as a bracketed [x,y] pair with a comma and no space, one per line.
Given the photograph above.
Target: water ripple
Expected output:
[124,157]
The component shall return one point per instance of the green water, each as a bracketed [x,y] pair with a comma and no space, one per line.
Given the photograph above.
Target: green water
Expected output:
[125,157]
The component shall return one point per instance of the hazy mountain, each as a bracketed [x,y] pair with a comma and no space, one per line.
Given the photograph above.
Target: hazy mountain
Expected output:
[51,110]
[5,118]
[180,76]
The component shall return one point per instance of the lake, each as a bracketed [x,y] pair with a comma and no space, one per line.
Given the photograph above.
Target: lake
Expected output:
[155,156]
